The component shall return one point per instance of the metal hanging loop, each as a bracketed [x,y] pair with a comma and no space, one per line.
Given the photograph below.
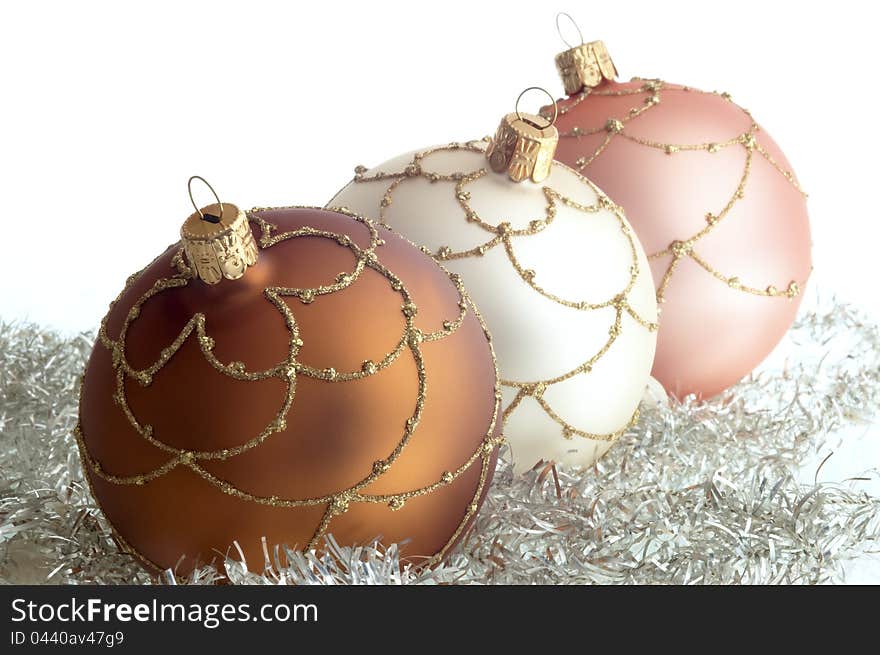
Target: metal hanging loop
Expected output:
[552,99]
[192,200]
[559,29]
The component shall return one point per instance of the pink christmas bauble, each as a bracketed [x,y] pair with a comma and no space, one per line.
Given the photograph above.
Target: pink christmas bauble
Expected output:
[716,207]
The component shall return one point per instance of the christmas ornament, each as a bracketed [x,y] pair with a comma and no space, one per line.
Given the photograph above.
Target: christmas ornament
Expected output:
[683,483]
[283,374]
[554,267]
[714,203]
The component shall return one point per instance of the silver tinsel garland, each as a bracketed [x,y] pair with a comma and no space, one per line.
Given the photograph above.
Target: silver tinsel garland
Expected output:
[695,493]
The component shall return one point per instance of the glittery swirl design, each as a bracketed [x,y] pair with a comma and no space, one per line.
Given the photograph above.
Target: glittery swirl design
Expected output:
[651,92]
[503,235]
[683,498]
[288,370]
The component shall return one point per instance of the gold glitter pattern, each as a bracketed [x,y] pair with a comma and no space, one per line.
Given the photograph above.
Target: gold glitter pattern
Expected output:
[288,370]
[650,93]
[503,235]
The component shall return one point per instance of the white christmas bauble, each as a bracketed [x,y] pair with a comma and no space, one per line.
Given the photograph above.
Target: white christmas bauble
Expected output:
[558,275]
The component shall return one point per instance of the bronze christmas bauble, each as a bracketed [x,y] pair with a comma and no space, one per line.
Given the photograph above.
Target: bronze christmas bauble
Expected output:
[325,378]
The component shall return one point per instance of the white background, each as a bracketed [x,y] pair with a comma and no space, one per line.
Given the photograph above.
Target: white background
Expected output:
[106,108]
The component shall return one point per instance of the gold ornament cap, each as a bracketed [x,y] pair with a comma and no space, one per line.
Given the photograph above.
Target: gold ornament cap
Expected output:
[585,66]
[524,144]
[218,240]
